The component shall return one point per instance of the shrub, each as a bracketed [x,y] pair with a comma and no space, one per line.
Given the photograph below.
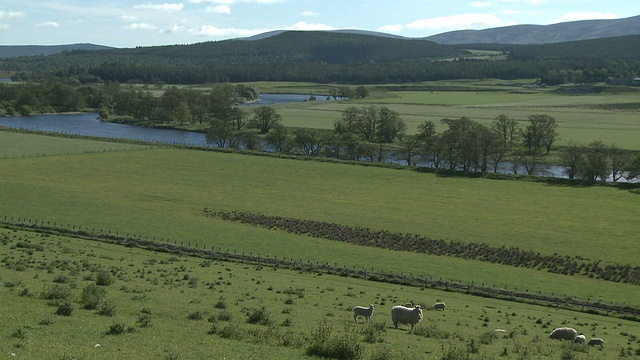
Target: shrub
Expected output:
[221,304]
[104,278]
[61,279]
[225,316]
[107,308]
[118,329]
[65,308]
[92,296]
[197,315]
[258,316]
[144,321]
[323,344]
[231,332]
[57,292]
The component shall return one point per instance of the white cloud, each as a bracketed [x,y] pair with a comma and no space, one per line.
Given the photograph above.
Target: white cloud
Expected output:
[480,4]
[220,9]
[309,13]
[174,28]
[391,28]
[128,18]
[301,25]
[10,14]
[229,2]
[143,26]
[163,7]
[576,16]
[4,27]
[461,21]
[210,30]
[51,24]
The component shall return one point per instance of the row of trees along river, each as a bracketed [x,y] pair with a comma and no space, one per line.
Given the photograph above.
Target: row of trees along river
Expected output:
[371,133]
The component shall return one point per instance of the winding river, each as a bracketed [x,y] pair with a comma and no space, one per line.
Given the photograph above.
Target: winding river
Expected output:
[88,124]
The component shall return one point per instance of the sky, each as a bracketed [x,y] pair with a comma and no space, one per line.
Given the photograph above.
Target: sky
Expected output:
[132,23]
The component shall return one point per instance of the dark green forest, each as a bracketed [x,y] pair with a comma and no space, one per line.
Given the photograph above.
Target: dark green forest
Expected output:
[327,57]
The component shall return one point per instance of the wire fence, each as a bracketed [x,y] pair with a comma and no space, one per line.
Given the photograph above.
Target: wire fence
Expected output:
[213,252]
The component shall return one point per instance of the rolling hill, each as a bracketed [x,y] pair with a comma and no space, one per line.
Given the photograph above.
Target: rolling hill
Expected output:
[543,34]
[8,51]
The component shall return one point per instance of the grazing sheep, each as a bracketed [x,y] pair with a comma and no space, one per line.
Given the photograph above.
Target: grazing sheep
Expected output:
[363,311]
[404,315]
[580,339]
[563,333]
[596,341]
[439,306]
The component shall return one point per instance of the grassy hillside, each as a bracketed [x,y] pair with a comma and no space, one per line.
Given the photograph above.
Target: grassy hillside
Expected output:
[168,305]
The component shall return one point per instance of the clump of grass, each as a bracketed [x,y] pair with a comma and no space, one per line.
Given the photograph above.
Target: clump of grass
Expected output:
[259,316]
[196,315]
[107,308]
[324,344]
[104,278]
[118,329]
[92,296]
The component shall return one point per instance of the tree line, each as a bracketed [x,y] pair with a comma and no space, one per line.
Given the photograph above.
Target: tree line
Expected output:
[324,57]
[378,134]
[370,133]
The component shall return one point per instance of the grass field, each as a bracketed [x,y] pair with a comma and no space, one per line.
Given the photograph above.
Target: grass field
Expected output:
[161,193]
[164,306]
[580,117]
[167,304]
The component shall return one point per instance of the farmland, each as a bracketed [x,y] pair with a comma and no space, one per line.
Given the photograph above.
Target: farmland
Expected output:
[205,304]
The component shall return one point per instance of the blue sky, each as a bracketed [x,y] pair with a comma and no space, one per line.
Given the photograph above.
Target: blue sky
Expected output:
[134,23]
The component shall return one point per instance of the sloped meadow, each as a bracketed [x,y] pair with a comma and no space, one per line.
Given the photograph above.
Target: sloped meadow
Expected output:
[69,298]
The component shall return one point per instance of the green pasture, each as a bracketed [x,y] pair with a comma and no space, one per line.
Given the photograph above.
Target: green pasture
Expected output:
[578,117]
[15,144]
[160,193]
[168,306]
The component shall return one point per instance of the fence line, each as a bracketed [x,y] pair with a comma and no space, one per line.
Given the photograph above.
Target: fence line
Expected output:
[187,248]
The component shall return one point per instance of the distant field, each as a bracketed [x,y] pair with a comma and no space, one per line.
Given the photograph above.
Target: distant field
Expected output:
[15,144]
[581,118]
[162,192]
[168,305]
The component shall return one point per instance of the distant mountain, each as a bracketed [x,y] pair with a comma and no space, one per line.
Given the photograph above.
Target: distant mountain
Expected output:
[345,31]
[7,51]
[543,34]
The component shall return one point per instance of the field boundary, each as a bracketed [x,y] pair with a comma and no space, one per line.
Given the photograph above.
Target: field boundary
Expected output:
[171,246]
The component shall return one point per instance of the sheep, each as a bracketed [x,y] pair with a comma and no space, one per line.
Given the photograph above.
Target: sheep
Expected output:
[596,341]
[439,306]
[363,311]
[404,315]
[580,339]
[564,333]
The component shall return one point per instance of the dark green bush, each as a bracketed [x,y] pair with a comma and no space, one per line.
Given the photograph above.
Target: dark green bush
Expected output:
[65,308]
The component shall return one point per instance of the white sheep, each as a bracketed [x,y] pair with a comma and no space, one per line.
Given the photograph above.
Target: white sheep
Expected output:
[580,339]
[564,333]
[596,341]
[404,315]
[363,311]
[439,306]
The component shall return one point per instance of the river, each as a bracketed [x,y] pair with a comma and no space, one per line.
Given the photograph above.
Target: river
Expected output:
[88,124]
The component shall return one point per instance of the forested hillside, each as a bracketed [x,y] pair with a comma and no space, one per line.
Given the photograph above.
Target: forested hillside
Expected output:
[333,57]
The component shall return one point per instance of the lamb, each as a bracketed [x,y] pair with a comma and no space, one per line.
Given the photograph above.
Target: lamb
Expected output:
[439,306]
[363,311]
[596,341]
[404,315]
[580,339]
[564,333]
